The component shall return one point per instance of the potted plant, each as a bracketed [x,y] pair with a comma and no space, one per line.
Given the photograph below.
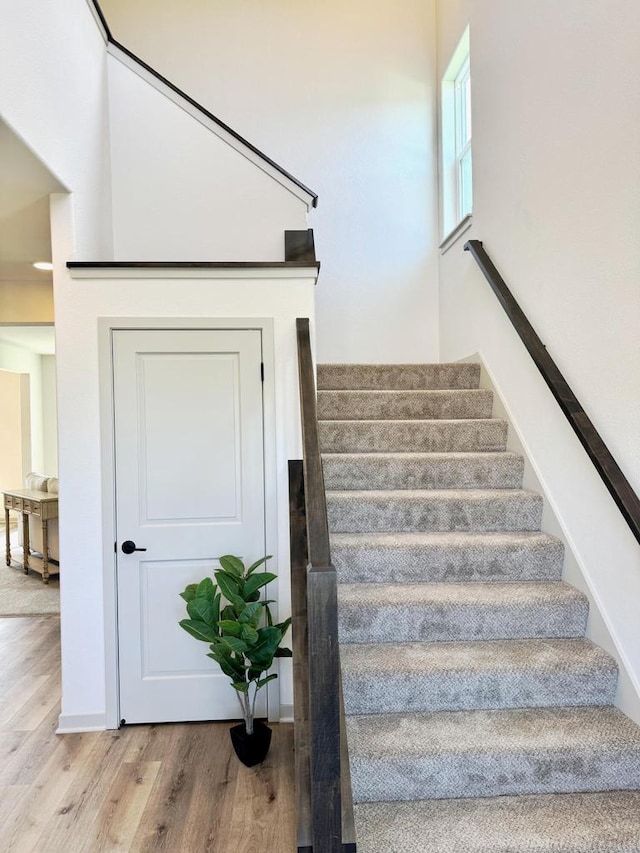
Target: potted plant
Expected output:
[242,639]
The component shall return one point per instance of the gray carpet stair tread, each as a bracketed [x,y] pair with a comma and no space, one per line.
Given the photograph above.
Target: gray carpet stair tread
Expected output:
[391,678]
[397,376]
[446,557]
[449,754]
[479,717]
[501,470]
[602,822]
[404,405]
[379,511]
[450,612]
[338,436]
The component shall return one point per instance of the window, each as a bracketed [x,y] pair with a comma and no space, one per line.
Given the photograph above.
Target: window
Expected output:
[457,183]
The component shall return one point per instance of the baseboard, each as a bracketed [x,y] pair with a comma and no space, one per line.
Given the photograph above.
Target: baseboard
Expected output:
[574,573]
[73,723]
[286,713]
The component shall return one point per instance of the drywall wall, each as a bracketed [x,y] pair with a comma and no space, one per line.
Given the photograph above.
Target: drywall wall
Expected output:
[53,89]
[556,157]
[89,681]
[343,96]
[196,198]
[26,301]
[21,360]
[556,153]
[53,95]
[49,415]
[15,441]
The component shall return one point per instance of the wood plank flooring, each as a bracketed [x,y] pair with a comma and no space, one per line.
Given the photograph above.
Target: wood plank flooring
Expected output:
[175,788]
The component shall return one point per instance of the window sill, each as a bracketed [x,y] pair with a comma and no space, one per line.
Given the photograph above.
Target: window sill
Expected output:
[456,233]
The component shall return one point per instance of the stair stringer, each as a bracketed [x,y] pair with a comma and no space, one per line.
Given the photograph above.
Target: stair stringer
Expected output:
[599,629]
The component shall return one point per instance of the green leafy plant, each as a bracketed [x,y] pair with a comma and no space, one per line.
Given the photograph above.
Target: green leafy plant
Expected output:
[239,640]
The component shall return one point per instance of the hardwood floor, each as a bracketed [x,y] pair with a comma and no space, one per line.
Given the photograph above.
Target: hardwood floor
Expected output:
[175,788]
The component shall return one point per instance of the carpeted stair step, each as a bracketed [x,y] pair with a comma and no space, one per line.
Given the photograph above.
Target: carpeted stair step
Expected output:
[394,678]
[397,376]
[450,754]
[406,613]
[404,405]
[407,511]
[422,470]
[446,557]
[603,822]
[443,436]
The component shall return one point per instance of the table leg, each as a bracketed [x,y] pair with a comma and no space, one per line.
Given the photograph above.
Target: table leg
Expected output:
[7,536]
[25,543]
[45,551]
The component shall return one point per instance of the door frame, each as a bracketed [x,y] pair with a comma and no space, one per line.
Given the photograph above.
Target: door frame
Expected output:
[106,328]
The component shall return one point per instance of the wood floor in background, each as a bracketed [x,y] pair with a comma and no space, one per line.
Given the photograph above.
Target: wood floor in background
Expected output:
[175,787]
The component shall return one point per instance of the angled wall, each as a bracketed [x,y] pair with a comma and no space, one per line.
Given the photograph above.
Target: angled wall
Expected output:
[556,159]
[180,192]
[344,95]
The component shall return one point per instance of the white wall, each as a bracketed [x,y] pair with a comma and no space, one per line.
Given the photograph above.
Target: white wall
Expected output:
[556,157]
[26,301]
[88,557]
[21,360]
[49,415]
[53,95]
[556,151]
[196,198]
[15,438]
[343,96]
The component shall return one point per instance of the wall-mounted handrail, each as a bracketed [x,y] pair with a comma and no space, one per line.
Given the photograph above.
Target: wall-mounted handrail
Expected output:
[322,763]
[615,481]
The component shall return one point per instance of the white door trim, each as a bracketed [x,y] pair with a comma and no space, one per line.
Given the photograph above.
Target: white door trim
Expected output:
[106,326]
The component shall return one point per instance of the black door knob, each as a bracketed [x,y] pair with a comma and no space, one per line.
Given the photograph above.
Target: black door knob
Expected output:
[128,547]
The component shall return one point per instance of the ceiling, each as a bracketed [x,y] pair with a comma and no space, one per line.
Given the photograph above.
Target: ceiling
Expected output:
[38,339]
[25,232]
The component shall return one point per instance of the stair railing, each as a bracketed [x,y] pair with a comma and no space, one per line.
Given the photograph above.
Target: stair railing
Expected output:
[619,487]
[325,810]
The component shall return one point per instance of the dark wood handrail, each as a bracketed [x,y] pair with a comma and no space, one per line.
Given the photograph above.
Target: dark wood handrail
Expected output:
[200,108]
[317,525]
[322,762]
[619,487]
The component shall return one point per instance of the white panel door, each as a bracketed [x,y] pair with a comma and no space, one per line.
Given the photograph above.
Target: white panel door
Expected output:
[189,488]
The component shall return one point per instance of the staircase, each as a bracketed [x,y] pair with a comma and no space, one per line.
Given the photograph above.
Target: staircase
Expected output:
[479,717]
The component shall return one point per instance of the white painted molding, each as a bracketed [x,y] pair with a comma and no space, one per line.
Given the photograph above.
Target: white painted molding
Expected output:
[286,713]
[72,723]
[599,629]
[96,17]
[230,272]
[254,157]
[454,235]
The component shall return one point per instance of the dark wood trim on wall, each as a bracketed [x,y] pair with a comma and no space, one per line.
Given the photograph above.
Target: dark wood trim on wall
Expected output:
[103,20]
[619,487]
[300,246]
[179,265]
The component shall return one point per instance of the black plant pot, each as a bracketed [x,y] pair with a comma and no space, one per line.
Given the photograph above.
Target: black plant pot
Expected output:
[251,749]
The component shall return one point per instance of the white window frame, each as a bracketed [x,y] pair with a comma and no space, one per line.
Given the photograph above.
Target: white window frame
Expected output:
[455,136]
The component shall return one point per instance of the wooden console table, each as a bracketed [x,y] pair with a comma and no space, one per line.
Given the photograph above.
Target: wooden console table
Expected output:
[41,505]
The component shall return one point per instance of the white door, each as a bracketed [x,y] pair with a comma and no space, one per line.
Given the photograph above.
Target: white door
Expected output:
[189,488]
